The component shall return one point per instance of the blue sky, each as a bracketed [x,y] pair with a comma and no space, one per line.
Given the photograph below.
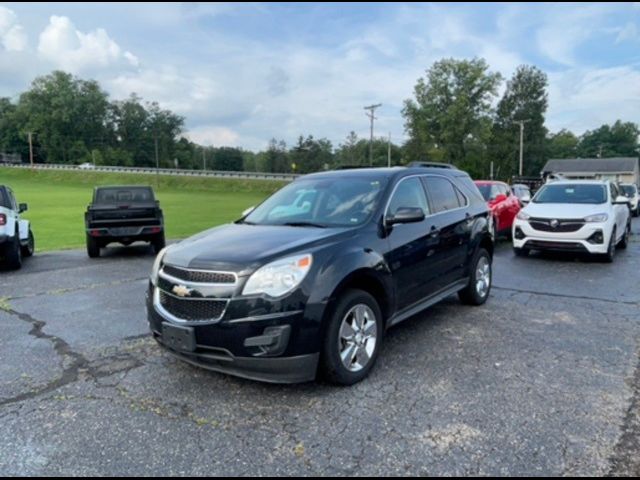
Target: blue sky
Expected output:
[244,73]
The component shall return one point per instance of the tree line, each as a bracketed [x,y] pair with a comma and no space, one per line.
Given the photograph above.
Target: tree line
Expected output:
[455,116]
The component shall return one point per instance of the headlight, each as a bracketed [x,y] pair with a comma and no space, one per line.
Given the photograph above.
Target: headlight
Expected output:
[599,218]
[523,215]
[156,266]
[280,277]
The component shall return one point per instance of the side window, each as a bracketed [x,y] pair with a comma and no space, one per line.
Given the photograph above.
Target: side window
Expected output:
[408,194]
[12,201]
[444,196]
[614,192]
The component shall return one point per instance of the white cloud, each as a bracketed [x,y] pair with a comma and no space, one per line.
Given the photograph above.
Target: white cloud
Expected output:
[12,35]
[72,50]
[628,32]
[213,136]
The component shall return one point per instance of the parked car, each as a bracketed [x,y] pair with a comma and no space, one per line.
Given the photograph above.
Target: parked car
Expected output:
[522,192]
[123,215]
[86,166]
[585,216]
[503,204]
[630,191]
[279,298]
[16,238]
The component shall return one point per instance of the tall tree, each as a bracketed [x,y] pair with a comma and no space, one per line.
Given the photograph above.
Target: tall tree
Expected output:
[450,116]
[563,144]
[617,140]
[525,99]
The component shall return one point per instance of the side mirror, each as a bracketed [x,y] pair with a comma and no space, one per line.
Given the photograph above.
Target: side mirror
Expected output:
[248,211]
[621,200]
[23,208]
[526,198]
[406,215]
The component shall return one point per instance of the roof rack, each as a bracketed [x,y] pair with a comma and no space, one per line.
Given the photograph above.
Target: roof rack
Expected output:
[432,165]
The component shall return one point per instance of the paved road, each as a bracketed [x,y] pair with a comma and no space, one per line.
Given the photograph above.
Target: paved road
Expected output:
[544,380]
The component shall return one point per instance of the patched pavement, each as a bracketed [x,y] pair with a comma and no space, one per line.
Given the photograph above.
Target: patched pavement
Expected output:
[542,380]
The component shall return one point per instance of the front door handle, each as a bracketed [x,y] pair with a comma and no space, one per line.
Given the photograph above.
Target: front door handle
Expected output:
[435,231]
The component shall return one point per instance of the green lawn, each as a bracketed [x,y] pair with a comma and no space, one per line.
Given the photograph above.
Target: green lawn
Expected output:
[58,199]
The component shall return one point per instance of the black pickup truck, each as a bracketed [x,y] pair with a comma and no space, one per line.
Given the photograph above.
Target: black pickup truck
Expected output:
[123,215]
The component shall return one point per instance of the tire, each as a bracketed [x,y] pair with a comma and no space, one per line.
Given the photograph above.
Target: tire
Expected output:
[625,238]
[13,253]
[479,287]
[611,251]
[351,306]
[93,247]
[521,252]
[158,243]
[30,247]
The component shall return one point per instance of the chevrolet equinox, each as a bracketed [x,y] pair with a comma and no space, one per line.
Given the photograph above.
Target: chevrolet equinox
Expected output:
[310,280]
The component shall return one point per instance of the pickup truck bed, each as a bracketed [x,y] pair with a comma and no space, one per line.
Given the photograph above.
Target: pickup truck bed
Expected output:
[123,215]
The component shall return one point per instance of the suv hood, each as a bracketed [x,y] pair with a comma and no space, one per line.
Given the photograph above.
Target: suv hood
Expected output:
[243,248]
[564,210]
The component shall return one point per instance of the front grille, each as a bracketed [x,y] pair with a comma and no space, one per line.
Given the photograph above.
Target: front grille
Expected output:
[198,276]
[564,226]
[560,246]
[191,310]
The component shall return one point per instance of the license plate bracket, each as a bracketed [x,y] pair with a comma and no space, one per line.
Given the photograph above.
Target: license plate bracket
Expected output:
[178,338]
[124,231]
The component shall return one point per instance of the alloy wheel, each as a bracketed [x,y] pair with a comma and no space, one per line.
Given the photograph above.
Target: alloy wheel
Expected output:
[483,276]
[358,336]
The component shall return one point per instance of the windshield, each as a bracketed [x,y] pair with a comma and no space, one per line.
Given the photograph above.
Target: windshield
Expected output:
[574,193]
[628,190]
[335,202]
[485,190]
[124,194]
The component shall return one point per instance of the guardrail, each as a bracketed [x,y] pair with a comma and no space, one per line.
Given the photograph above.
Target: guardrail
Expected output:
[287,177]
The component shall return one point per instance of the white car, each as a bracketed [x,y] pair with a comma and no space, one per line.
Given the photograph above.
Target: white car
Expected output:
[630,191]
[584,216]
[16,238]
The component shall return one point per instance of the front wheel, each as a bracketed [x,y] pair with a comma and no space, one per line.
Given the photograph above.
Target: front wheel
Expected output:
[521,252]
[158,243]
[625,238]
[477,291]
[353,339]
[30,247]
[611,250]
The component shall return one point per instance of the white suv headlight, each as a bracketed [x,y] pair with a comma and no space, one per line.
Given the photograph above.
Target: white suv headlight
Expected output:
[156,266]
[280,277]
[523,215]
[598,218]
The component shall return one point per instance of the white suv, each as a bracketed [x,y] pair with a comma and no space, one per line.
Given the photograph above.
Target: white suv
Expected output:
[575,216]
[630,191]
[16,239]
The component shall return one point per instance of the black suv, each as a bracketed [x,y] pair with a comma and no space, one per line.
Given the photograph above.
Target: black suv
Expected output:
[313,277]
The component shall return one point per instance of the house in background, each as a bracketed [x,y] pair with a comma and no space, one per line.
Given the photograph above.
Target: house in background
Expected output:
[621,169]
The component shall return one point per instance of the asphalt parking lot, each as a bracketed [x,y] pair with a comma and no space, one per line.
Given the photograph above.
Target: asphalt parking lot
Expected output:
[542,380]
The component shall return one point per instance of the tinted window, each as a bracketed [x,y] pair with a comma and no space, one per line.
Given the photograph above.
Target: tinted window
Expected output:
[4,200]
[442,193]
[574,193]
[332,202]
[408,194]
[628,190]
[123,195]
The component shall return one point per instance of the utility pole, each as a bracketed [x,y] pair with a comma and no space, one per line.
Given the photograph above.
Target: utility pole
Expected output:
[372,116]
[389,152]
[521,123]
[30,148]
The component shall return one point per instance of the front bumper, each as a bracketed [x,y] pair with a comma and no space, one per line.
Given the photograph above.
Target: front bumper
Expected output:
[525,236]
[276,345]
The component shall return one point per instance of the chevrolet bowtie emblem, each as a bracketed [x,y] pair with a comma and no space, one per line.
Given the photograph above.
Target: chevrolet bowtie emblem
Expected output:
[181,291]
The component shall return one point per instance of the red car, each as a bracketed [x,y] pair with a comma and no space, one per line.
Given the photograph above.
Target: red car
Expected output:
[504,205]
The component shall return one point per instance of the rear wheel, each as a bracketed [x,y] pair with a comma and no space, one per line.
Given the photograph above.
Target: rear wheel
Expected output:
[13,253]
[93,247]
[158,243]
[353,339]
[477,291]
[29,248]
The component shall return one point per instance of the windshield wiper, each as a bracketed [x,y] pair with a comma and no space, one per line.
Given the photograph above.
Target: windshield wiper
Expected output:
[304,224]
[244,222]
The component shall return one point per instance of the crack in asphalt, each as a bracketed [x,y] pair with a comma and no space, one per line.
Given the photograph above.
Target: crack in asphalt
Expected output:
[79,363]
[561,295]
[81,288]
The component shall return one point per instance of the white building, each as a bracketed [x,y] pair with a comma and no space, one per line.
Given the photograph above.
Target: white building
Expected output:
[621,169]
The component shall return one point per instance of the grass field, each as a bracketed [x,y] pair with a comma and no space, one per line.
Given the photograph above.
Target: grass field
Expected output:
[58,199]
